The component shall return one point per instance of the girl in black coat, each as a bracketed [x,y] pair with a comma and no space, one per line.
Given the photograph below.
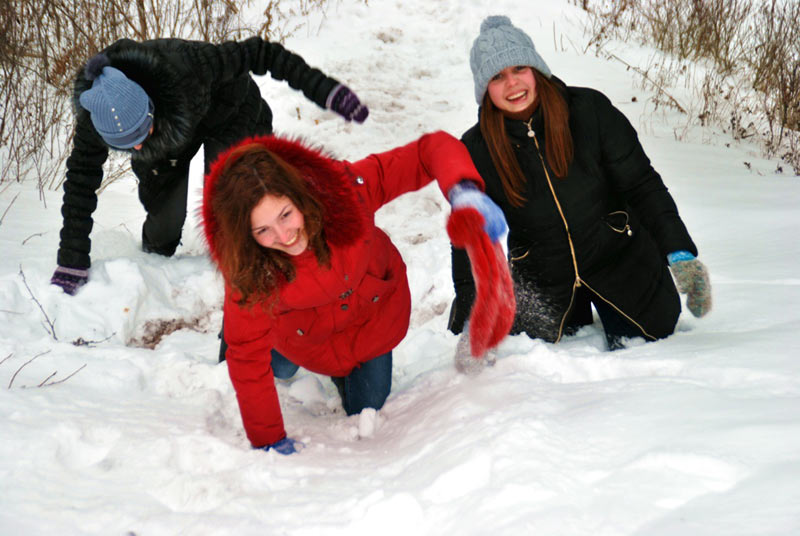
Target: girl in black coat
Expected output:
[161,100]
[590,220]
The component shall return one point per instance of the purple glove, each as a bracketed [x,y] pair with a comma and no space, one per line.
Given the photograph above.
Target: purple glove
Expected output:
[69,279]
[285,446]
[466,195]
[344,102]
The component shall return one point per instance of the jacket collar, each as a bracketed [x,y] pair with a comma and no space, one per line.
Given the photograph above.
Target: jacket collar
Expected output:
[517,129]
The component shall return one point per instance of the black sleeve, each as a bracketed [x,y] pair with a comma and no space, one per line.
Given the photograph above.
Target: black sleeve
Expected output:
[465,289]
[255,55]
[630,172]
[84,175]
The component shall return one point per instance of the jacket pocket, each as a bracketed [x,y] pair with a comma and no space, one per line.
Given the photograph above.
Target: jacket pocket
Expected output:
[375,290]
[619,221]
[296,326]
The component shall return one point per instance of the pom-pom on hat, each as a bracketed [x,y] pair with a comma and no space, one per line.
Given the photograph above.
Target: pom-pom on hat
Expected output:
[121,111]
[499,45]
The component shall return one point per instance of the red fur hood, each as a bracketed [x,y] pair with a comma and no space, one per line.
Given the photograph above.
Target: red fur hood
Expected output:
[328,179]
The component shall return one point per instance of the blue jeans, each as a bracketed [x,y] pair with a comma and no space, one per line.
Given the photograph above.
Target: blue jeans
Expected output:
[367,386]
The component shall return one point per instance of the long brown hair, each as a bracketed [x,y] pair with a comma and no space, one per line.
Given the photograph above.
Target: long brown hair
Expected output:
[251,172]
[557,137]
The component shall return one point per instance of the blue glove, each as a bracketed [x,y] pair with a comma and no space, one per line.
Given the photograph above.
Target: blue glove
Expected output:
[466,195]
[344,102]
[285,446]
[69,279]
[691,278]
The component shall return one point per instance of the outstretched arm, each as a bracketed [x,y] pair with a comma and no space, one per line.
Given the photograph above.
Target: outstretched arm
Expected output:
[84,175]
[475,223]
[258,56]
[437,156]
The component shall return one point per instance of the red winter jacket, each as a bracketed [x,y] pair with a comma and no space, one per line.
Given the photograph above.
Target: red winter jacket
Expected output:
[331,320]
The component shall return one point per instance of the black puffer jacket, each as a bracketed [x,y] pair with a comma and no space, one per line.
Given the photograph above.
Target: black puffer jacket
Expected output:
[606,227]
[202,94]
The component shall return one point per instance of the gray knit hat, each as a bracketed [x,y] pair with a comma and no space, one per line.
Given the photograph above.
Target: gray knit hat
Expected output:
[500,45]
[121,111]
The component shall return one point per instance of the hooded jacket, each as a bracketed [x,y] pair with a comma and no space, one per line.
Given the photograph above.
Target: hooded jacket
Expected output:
[607,226]
[202,94]
[329,320]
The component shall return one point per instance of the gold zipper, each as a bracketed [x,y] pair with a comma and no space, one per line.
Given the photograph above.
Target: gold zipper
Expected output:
[578,281]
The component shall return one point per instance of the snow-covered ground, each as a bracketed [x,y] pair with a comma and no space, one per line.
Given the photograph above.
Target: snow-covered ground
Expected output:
[697,434]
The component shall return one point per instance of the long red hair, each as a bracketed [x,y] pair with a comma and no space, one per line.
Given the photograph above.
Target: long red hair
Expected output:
[557,137]
[252,171]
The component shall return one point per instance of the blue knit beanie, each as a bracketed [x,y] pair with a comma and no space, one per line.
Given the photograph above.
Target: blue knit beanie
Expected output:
[121,111]
[499,45]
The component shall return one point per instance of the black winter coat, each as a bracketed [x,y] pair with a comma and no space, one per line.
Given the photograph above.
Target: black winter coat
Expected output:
[202,93]
[606,228]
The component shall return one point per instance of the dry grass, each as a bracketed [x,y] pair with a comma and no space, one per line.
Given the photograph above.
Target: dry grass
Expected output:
[752,85]
[155,330]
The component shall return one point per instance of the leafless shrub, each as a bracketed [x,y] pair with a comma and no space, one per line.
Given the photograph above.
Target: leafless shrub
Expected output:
[752,85]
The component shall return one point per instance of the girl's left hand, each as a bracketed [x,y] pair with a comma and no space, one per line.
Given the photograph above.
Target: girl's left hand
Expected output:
[285,446]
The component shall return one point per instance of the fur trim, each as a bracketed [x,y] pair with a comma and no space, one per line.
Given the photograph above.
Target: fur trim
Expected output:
[95,65]
[345,220]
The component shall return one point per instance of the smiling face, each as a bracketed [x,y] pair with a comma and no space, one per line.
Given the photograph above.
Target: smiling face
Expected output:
[276,223]
[513,90]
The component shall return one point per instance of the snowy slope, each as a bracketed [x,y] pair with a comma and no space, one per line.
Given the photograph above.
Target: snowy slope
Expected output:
[696,434]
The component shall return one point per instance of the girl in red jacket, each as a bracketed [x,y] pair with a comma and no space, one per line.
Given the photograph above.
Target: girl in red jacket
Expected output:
[310,280]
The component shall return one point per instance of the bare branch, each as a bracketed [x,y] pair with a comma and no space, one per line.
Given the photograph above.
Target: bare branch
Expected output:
[32,236]
[29,361]
[7,209]
[80,341]
[644,75]
[45,380]
[63,380]
[52,327]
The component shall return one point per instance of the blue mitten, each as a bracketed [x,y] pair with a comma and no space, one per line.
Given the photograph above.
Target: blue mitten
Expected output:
[344,102]
[285,446]
[691,278]
[466,195]
[69,279]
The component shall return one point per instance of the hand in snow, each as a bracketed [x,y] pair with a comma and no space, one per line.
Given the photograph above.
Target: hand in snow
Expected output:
[285,446]
[344,102]
[466,195]
[465,362]
[69,279]
[691,278]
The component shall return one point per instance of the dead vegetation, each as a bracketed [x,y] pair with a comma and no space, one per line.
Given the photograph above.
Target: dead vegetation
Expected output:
[750,51]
